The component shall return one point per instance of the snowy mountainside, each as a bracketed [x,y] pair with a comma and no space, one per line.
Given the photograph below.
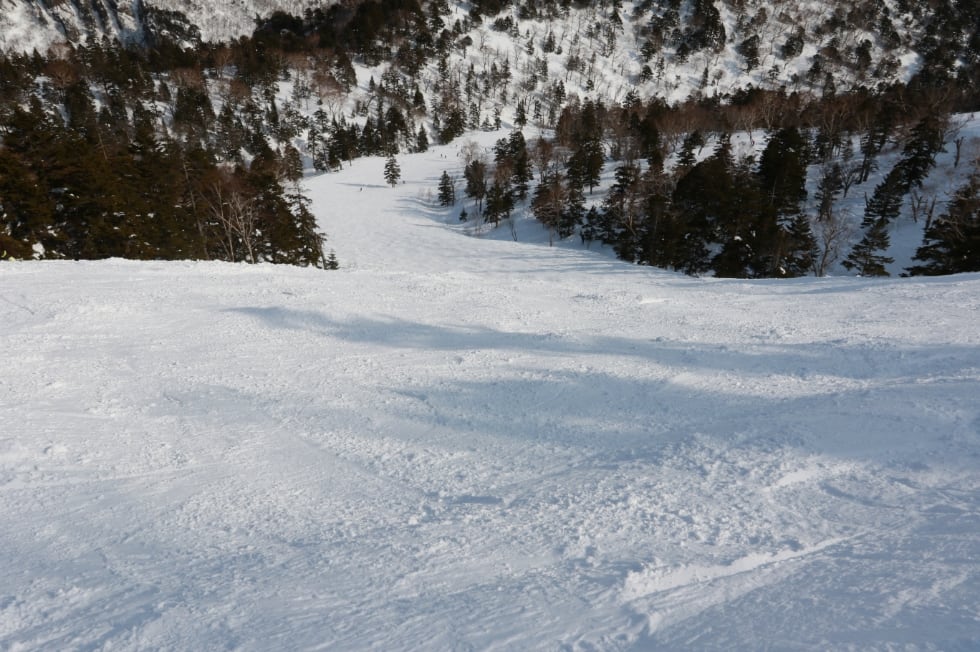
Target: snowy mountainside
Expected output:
[663,48]
[673,49]
[463,442]
[223,21]
[26,25]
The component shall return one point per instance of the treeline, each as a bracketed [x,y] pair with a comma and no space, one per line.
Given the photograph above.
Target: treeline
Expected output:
[107,151]
[746,217]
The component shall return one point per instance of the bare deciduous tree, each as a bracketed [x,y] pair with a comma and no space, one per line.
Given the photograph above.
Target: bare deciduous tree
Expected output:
[237,216]
[833,235]
[470,151]
[923,205]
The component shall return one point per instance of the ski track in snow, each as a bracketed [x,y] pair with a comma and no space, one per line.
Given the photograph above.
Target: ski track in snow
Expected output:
[457,442]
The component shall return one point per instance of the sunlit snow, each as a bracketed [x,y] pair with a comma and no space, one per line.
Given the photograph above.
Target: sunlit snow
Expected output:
[459,441]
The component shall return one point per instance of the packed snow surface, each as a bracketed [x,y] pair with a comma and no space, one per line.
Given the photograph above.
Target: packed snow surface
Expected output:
[459,442]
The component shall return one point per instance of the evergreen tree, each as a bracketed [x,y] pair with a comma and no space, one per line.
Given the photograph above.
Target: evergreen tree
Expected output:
[585,165]
[879,211]
[520,163]
[556,206]
[193,113]
[476,182]
[370,142]
[520,118]
[229,135]
[547,200]
[782,171]
[876,136]
[291,163]
[662,230]
[500,202]
[952,244]
[699,201]
[829,187]
[782,179]
[749,49]
[866,258]
[421,140]
[801,250]
[393,173]
[686,158]
[886,200]
[747,229]
[573,213]
[588,157]
[919,153]
[318,149]
[453,124]
[621,216]
[447,190]
[288,230]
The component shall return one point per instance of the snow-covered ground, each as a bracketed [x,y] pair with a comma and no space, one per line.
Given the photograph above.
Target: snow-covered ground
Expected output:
[461,442]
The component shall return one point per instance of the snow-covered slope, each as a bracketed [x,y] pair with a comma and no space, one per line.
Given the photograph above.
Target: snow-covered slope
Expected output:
[673,49]
[27,25]
[462,442]
[223,21]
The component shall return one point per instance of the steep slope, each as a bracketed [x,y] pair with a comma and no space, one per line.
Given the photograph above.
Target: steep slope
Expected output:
[462,442]
[223,21]
[27,25]
[663,48]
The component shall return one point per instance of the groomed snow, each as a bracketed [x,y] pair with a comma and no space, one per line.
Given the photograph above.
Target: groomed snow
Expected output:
[461,442]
